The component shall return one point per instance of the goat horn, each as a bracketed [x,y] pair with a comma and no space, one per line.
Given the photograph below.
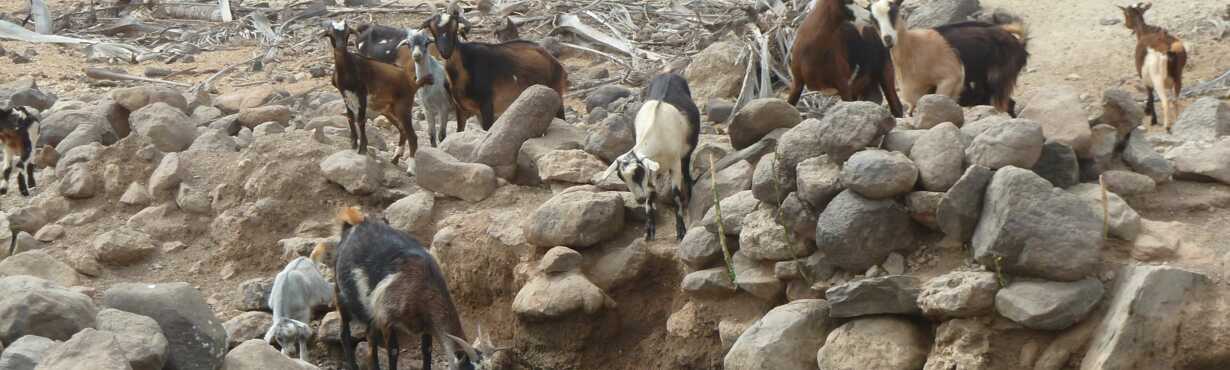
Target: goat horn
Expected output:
[473,356]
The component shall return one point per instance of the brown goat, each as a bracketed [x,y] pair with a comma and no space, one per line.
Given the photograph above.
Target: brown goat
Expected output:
[1160,58]
[486,78]
[833,56]
[364,83]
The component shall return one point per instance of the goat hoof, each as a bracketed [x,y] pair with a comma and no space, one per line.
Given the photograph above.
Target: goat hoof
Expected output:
[4,191]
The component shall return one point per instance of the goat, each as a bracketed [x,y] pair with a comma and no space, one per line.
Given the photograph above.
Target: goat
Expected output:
[385,87]
[15,126]
[973,62]
[487,78]
[379,42]
[296,290]
[433,85]
[667,129]
[834,56]
[508,31]
[388,280]
[1160,58]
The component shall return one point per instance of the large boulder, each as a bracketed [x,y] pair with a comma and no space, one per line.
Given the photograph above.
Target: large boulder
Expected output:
[1140,329]
[58,125]
[255,354]
[168,128]
[233,102]
[246,326]
[90,349]
[32,306]
[1140,155]
[39,264]
[611,138]
[1060,112]
[762,238]
[1206,119]
[411,214]
[1058,165]
[730,182]
[569,166]
[462,145]
[818,181]
[1203,164]
[939,157]
[1048,305]
[784,339]
[712,283]
[935,13]
[141,339]
[902,140]
[1120,111]
[85,135]
[123,246]
[440,172]
[528,117]
[716,72]
[604,96]
[26,352]
[894,294]
[1123,221]
[214,141]
[857,233]
[765,185]
[879,174]
[962,344]
[1128,183]
[700,248]
[734,209]
[577,219]
[1012,143]
[558,290]
[845,129]
[357,173]
[959,294]
[758,118]
[875,343]
[135,98]
[79,182]
[198,340]
[934,109]
[251,117]
[1030,228]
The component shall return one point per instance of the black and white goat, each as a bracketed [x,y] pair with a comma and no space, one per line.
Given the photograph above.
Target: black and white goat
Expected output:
[389,281]
[15,126]
[433,83]
[296,290]
[667,129]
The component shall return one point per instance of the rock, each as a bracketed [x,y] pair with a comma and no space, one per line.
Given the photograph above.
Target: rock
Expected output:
[1048,305]
[79,182]
[819,180]
[169,173]
[246,326]
[1124,222]
[88,349]
[26,352]
[198,340]
[974,128]
[139,337]
[137,98]
[560,260]
[123,246]
[765,186]
[700,248]
[80,155]
[330,330]
[33,306]
[716,72]
[896,294]
[1157,240]
[761,238]
[611,138]
[961,344]
[57,126]
[618,267]
[528,117]
[713,282]
[576,219]
[719,110]
[1103,146]
[1030,228]
[33,98]
[214,141]
[255,354]
[923,205]
[1206,119]
[547,297]
[730,181]
[84,135]
[48,234]
[879,174]
[252,117]
[959,294]
[1058,109]
[357,173]
[886,343]
[857,233]
[734,209]
[1058,165]
[900,140]
[758,118]
[1140,327]
[560,136]
[933,110]
[1127,183]
[254,97]
[166,127]
[1014,143]
[571,166]
[463,145]
[604,96]
[440,172]
[255,294]
[1120,111]
[939,157]
[412,213]
[206,114]
[799,217]
[1203,164]
[193,199]
[935,13]
[784,339]
[756,277]
[845,129]
[1139,154]
[39,264]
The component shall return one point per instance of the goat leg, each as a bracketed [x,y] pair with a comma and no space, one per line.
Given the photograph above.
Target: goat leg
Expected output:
[362,124]
[425,350]
[486,114]
[30,174]
[4,182]
[303,347]
[348,359]
[21,178]
[391,345]
[354,133]
[373,339]
[650,222]
[1149,107]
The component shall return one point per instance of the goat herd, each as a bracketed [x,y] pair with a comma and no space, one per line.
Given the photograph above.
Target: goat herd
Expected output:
[387,279]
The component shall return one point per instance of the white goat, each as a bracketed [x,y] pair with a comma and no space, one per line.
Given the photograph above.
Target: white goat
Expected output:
[433,83]
[296,290]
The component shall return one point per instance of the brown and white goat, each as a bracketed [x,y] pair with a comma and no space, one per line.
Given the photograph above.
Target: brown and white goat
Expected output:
[384,87]
[1160,58]
[15,126]
[486,78]
[386,279]
[973,62]
[834,56]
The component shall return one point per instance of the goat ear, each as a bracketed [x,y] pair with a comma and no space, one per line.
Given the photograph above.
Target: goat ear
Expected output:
[469,350]
[610,170]
[1145,6]
[651,164]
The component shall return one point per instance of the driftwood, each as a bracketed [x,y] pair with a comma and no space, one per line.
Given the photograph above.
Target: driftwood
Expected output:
[572,23]
[102,74]
[224,11]
[12,31]
[41,16]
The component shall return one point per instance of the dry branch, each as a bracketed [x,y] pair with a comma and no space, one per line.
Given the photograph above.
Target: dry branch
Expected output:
[102,74]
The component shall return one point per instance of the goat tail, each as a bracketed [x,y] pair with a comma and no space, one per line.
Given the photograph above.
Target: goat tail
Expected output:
[1177,47]
[350,216]
[1017,29]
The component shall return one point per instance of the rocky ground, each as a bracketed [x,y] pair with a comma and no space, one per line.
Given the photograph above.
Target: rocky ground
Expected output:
[1070,238]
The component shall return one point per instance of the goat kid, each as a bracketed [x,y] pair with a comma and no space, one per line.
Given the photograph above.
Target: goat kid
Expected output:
[433,83]
[364,82]
[15,126]
[296,290]
[833,55]
[486,78]
[1160,58]
[389,281]
[667,129]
